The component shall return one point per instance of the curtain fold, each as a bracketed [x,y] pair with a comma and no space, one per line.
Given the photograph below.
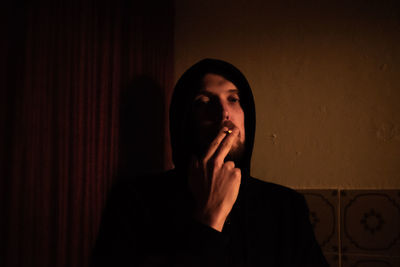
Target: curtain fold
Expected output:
[67,74]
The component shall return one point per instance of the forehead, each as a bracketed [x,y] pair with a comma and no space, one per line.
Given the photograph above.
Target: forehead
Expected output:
[217,83]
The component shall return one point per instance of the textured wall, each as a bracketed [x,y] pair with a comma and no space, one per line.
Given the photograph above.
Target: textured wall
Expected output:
[326,81]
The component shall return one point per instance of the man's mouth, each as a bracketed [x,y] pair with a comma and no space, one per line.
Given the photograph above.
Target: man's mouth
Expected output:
[228,124]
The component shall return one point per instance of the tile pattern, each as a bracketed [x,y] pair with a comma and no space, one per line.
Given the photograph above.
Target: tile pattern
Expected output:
[370,221]
[323,207]
[366,261]
[356,228]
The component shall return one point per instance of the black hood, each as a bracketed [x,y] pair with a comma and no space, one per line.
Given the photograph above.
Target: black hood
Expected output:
[181,104]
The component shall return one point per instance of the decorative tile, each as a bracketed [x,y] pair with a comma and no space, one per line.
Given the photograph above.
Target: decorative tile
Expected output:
[332,259]
[323,206]
[370,222]
[367,261]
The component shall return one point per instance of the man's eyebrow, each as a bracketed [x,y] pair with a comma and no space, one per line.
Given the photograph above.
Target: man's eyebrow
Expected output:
[204,92]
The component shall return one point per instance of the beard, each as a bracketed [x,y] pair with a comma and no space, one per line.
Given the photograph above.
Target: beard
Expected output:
[236,152]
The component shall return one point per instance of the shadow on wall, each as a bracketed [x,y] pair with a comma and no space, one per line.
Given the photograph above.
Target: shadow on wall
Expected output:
[142,128]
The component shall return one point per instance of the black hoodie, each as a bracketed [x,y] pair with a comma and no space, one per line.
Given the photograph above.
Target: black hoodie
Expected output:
[148,220]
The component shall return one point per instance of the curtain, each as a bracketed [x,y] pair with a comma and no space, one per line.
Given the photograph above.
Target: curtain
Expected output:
[84,93]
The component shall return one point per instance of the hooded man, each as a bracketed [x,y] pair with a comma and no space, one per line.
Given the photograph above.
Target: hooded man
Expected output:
[208,211]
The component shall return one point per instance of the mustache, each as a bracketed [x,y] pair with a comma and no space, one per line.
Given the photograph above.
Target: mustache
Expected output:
[228,124]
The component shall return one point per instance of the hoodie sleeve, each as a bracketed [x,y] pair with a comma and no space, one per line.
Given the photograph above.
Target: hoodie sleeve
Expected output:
[201,246]
[127,239]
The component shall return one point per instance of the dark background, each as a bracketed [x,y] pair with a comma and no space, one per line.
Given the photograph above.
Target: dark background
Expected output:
[73,74]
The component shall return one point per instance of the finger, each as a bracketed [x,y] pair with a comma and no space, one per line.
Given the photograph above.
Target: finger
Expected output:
[226,145]
[215,143]
[230,165]
[237,172]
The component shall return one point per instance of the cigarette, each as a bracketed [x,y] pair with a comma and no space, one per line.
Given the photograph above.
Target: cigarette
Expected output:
[228,132]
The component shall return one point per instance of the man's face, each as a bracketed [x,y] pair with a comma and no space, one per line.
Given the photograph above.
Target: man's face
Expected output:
[217,105]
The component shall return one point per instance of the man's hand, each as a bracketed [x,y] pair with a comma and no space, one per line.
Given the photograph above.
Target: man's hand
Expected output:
[215,183]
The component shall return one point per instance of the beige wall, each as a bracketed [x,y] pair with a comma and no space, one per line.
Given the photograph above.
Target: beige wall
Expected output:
[326,81]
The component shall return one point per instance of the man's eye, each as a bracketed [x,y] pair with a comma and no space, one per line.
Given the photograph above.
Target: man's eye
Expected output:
[202,100]
[234,99]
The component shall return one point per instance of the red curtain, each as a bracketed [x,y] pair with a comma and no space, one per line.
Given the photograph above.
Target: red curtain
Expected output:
[84,86]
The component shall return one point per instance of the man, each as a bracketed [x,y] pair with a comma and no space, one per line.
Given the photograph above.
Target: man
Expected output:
[208,211]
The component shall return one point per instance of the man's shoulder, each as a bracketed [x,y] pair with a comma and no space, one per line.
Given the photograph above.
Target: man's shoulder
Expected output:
[262,189]
[147,191]
[262,186]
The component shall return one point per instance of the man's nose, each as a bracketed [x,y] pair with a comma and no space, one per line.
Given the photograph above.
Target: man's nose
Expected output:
[224,112]
[219,111]
[225,115]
